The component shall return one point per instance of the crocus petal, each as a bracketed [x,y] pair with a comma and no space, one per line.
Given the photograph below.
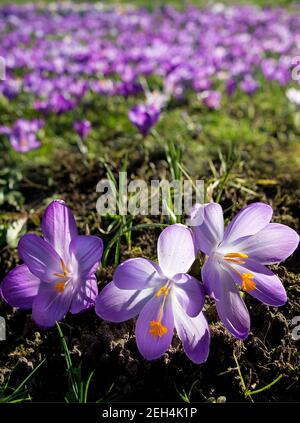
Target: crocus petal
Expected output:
[117,305]
[269,288]
[151,346]
[175,250]
[50,306]
[273,244]
[138,273]
[40,257]
[193,333]
[189,293]
[232,309]
[248,221]
[59,227]
[211,277]
[85,296]
[209,233]
[20,287]
[86,252]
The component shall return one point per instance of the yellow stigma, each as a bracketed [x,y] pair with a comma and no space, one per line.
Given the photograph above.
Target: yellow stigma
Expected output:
[248,283]
[65,270]
[234,257]
[59,287]
[157,329]
[164,290]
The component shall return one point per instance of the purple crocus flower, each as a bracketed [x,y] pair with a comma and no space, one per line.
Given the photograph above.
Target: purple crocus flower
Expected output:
[249,85]
[11,88]
[236,259]
[22,135]
[164,296]
[211,99]
[231,86]
[82,127]
[58,274]
[144,116]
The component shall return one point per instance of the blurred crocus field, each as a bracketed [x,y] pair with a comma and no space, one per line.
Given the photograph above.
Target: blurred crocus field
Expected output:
[147,306]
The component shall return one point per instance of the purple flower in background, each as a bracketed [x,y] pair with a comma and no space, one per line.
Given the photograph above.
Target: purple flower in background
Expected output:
[156,99]
[144,116]
[231,86]
[249,85]
[237,257]
[164,296]
[211,99]
[11,88]
[186,50]
[82,127]
[58,273]
[23,134]
[56,103]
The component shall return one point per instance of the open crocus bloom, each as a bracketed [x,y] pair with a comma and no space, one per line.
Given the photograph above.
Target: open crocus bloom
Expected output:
[163,295]
[144,116]
[23,134]
[82,127]
[236,259]
[59,270]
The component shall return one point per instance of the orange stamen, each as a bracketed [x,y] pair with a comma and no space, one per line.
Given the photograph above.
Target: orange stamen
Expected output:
[65,270]
[248,283]
[235,261]
[164,290]
[60,287]
[157,329]
[234,257]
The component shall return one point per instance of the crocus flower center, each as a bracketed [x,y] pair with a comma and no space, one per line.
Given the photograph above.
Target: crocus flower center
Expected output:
[157,329]
[60,287]
[23,142]
[248,283]
[162,291]
[65,274]
[235,257]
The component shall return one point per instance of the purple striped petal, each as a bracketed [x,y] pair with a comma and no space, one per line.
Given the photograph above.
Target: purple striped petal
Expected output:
[209,234]
[151,346]
[248,221]
[50,306]
[211,277]
[269,289]
[175,250]
[189,293]
[232,309]
[20,287]
[85,296]
[40,257]
[138,273]
[194,334]
[59,227]
[86,251]
[117,305]
[273,244]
